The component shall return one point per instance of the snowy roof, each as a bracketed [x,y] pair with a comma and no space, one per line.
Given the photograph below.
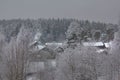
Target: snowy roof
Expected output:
[53,45]
[93,43]
[37,45]
[107,45]
[31,44]
[41,47]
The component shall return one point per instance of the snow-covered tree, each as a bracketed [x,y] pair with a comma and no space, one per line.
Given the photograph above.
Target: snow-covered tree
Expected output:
[96,35]
[80,63]
[2,42]
[74,34]
[2,47]
[16,56]
[74,31]
[115,55]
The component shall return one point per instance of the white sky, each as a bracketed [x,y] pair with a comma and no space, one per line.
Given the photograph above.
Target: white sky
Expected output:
[94,10]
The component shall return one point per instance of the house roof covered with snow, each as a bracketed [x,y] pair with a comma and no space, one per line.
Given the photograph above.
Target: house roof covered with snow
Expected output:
[93,44]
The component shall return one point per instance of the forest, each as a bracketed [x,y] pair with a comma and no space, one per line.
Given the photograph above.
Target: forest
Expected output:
[55,29]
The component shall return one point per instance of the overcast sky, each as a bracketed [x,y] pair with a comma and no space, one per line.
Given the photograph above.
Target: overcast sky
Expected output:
[93,10]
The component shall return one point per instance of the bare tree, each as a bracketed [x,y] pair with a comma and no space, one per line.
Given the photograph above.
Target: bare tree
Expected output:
[2,46]
[17,56]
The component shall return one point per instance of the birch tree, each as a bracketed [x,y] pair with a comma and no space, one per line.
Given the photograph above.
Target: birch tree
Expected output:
[17,56]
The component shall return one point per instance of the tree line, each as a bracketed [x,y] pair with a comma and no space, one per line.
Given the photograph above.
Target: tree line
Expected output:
[55,29]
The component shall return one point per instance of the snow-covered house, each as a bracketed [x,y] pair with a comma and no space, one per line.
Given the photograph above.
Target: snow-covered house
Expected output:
[41,57]
[101,47]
